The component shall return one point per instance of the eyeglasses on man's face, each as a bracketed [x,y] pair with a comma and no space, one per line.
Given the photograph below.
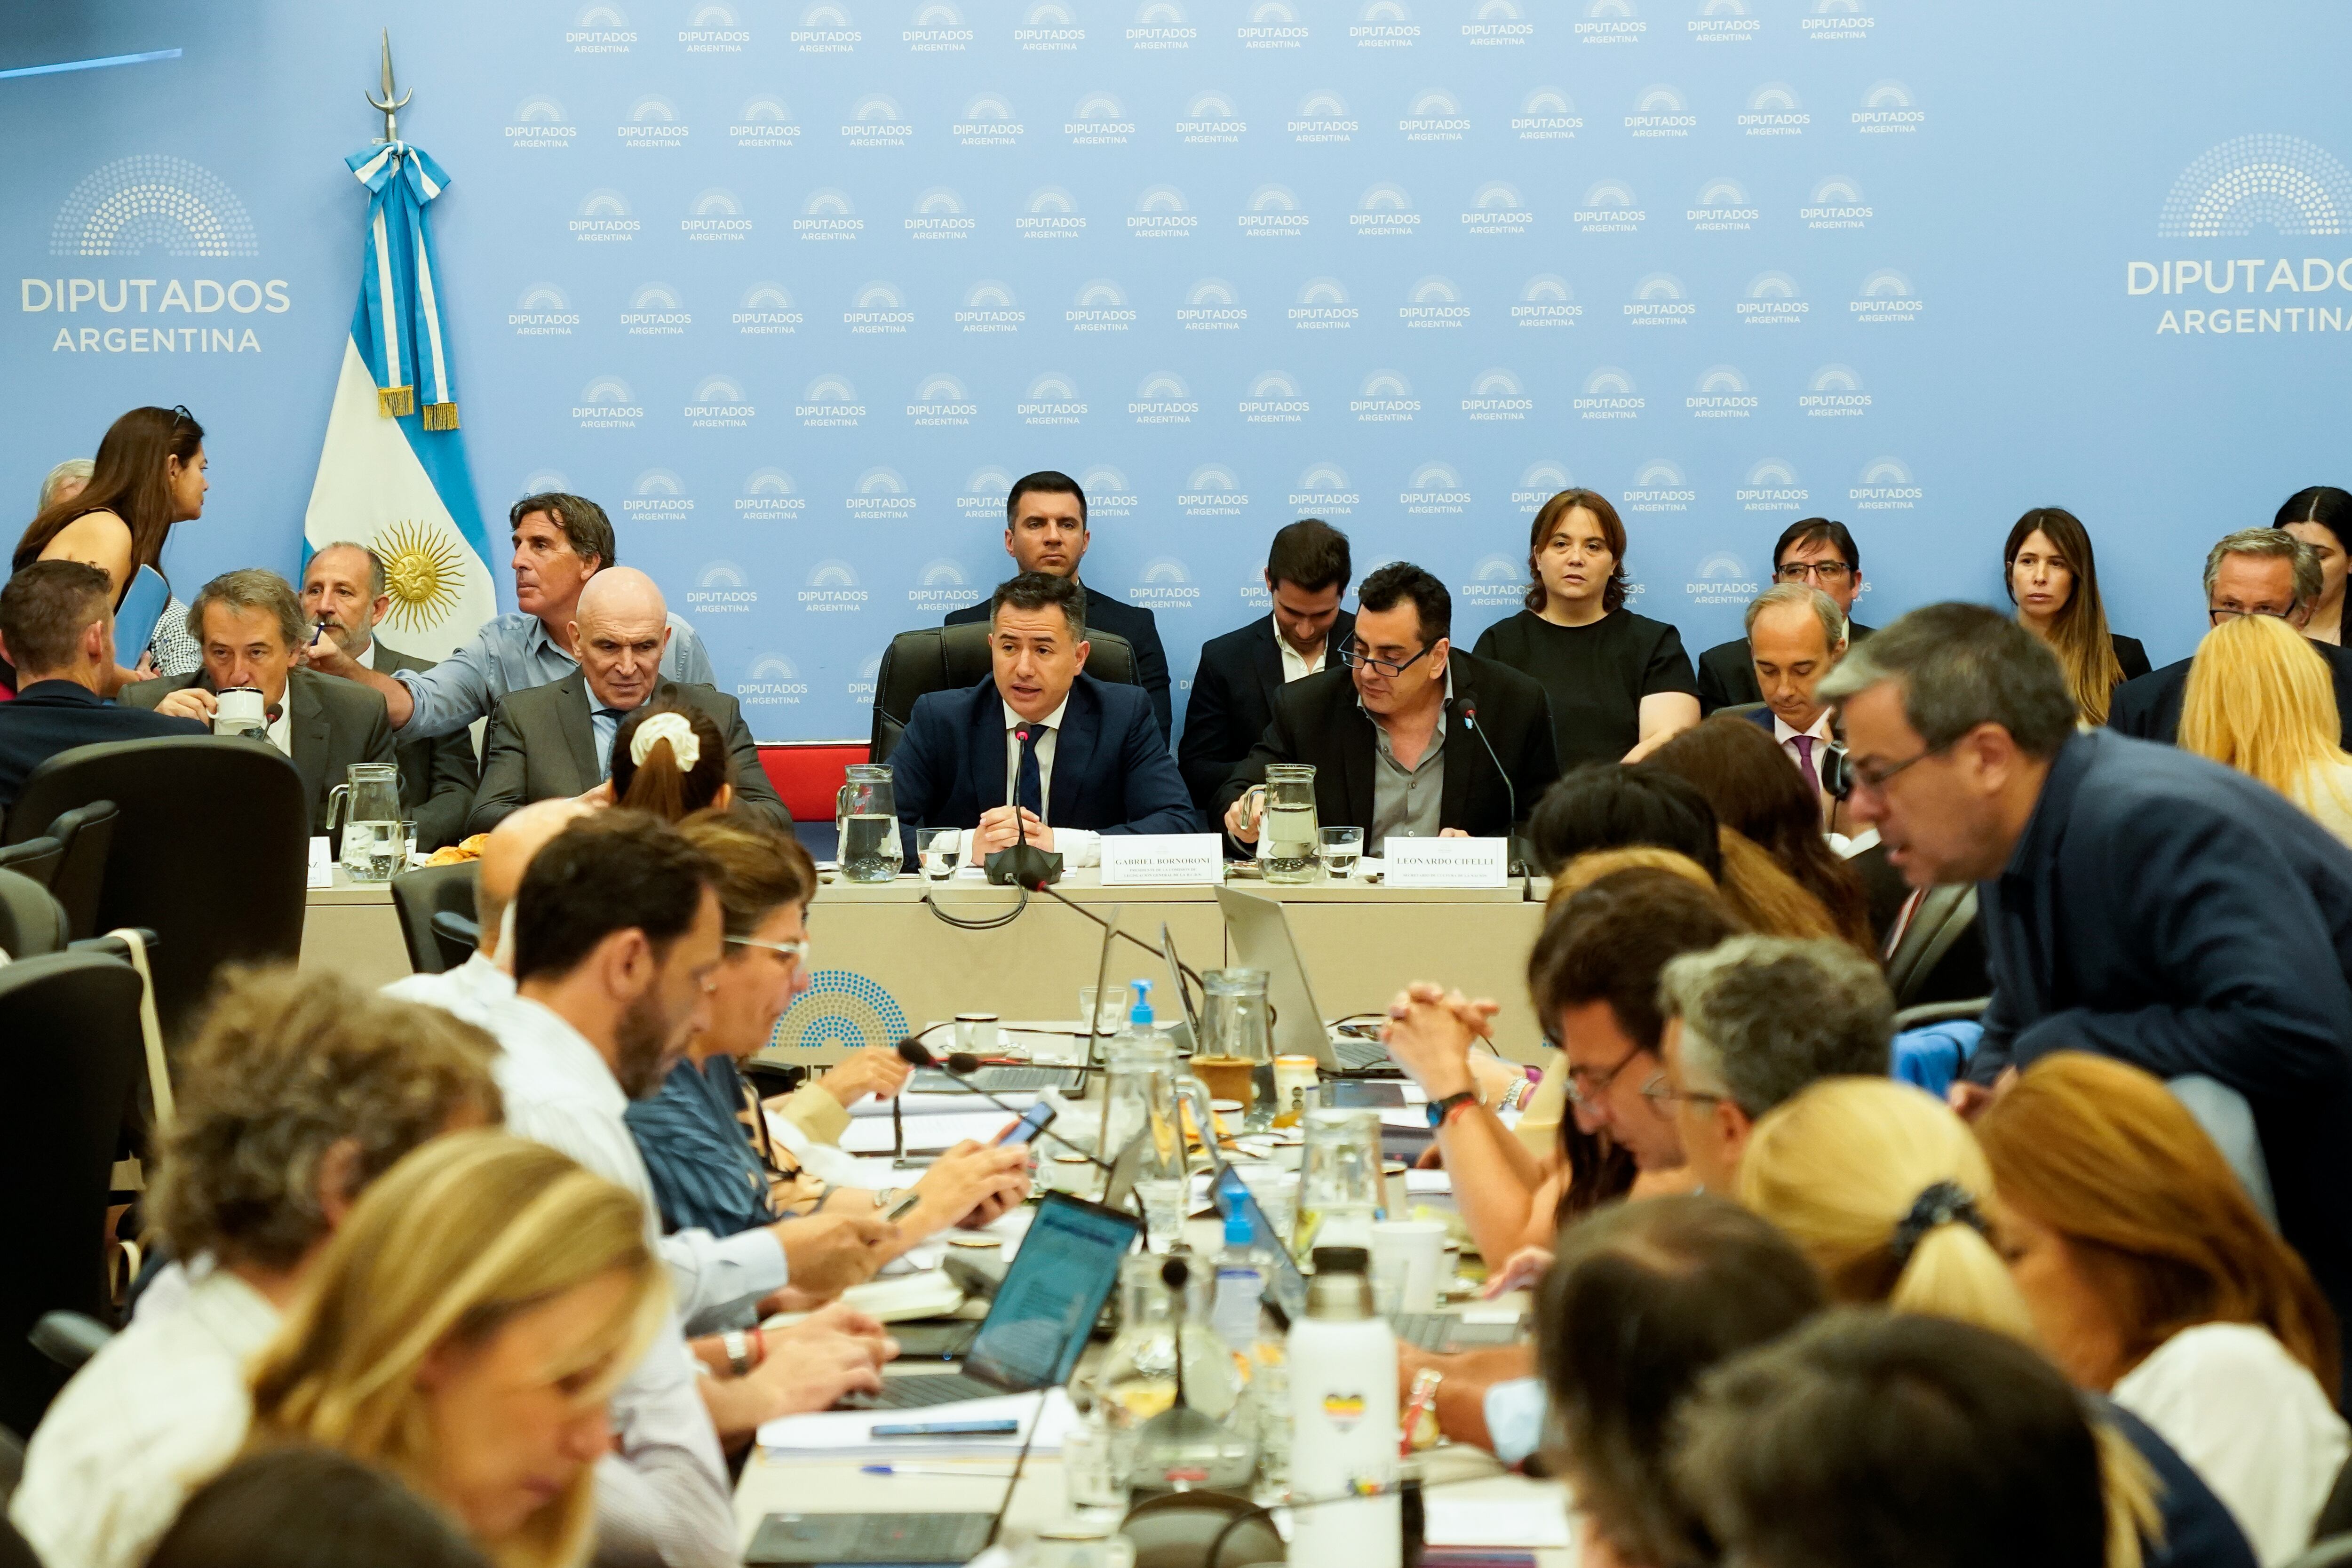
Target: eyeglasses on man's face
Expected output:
[2221,613]
[1586,1085]
[1355,657]
[1815,570]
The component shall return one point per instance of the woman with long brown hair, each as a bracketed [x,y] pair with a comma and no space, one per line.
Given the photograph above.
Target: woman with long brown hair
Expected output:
[2054,580]
[1618,683]
[2150,1273]
[148,475]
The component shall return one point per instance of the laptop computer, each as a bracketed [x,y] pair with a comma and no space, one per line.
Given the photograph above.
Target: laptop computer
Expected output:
[1037,1325]
[877,1538]
[1259,932]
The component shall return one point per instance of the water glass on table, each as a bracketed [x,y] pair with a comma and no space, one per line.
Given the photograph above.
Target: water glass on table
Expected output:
[1165,1203]
[939,848]
[1106,1007]
[1340,848]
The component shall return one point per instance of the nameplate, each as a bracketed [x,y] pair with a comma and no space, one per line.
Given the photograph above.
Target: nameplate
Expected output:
[1447,862]
[1157,860]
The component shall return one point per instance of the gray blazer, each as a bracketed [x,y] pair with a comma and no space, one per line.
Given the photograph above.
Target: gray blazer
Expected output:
[332,723]
[436,776]
[541,748]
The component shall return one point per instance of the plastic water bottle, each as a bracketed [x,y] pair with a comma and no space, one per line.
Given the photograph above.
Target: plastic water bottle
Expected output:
[1343,1439]
[1241,1284]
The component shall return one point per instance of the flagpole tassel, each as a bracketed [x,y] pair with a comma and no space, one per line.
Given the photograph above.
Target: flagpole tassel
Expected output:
[440,417]
[393,402]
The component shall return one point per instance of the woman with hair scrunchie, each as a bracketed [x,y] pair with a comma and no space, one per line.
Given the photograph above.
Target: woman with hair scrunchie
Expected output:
[671,760]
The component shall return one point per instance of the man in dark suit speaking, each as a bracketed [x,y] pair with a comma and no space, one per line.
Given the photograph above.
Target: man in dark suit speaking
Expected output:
[1045,531]
[1812,551]
[1307,574]
[248,626]
[556,740]
[1390,734]
[1040,750]
[2134,900]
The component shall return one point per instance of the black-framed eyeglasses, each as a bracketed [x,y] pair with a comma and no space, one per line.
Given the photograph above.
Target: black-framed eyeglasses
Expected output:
[179,411]
[2221,613]
[1586,1085]
[1354,659]
[1876,778]
[1819,571]
[1659,1093]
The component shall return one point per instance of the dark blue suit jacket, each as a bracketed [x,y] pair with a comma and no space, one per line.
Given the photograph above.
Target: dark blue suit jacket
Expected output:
[1132,622]
[1112,773]
[2173,913]
[52,715]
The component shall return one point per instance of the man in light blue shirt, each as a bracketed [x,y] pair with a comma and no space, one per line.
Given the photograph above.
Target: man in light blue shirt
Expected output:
[560,541]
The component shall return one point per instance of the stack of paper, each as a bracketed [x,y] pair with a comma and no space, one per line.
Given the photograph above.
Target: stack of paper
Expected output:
[851,1432]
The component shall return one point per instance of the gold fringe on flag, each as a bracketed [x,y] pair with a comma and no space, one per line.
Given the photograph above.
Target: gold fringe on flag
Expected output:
[440,417]
[392,402]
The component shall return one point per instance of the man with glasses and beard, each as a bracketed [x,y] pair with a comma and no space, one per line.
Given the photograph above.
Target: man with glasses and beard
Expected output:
[1390,734]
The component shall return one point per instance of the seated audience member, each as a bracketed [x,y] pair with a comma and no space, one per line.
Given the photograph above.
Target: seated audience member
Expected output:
[479,986]
[2321,516]
[1797,635]
[1643,1300]
[294,1097]
[1764,896]
[345,597]
[65,482]
[671,760]
[2255,572]
[1753,1022]
[1866,1439]
[2257,701]
[1603,805]
[1040,750]
[465,1329]
[1046,532]
[2134,900]
[1232,700]
[1388,736]
[616,935]
[1756,793]
[2153,1277]
[1618,683]
[248,625]
[2053,580]
[300,1506]
[148,478]
[1812,552]
[706,1165]
[557,740]
[57,623]
[561,541]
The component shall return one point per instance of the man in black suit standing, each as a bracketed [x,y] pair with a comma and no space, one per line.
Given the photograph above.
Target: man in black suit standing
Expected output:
[249,627]
[344,595]
[1391,735]
[57,618]
[1813,552]
[1306,574]
[553,742]
[2134,900]
[1045,531]
[2253,571]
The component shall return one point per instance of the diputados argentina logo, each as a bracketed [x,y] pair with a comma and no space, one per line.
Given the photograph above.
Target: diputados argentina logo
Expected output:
[2290,187]
[143,205]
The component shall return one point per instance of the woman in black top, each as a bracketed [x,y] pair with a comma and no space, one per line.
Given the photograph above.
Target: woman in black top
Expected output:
[2053,580]
[2321,516]
[1618,683]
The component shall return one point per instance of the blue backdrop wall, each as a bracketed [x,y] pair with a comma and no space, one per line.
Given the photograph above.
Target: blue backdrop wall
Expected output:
[795,289]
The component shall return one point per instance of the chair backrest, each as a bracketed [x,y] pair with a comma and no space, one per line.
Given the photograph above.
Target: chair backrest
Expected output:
[86,834]
[210,848]
[943,658]
[70,1046]
[36,859]
[32,922]
[2229,1121]
[421,894]
[1945,916]
[457,936]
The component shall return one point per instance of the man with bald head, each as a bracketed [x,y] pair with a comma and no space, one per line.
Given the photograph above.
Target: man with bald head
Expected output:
[1795,635]
[556,740]
[561,543]
[486,981]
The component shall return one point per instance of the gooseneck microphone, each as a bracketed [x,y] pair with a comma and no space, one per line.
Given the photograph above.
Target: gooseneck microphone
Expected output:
[959,1067]
[1024,865]
[1189,973]
[1468,709]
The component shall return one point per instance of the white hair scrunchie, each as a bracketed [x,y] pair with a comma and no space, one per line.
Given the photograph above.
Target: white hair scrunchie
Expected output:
[674,728]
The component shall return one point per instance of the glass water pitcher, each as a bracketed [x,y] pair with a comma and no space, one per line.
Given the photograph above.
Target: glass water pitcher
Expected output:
[865,815]
[367,806]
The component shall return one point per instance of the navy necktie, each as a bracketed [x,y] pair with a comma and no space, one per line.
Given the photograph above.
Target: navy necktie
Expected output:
[1029,787]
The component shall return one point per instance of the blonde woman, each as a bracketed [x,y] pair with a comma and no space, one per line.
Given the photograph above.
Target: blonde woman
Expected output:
[2260,700]
[463,1332]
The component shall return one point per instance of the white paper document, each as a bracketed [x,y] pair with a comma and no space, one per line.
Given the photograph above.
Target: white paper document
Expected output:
[1485,1521]
[925,1134]
[852,1431]
[322,865]
[1447,862]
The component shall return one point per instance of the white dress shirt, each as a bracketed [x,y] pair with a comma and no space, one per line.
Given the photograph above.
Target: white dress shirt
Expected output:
[1076,846]
[1819,734]
[473,991]
[1296,666]
[158,1412]
[281,728]
[2250,1419]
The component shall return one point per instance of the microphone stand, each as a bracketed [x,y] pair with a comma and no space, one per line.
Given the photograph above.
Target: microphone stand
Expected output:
[1189,973]
[1468,709]
[1024,864]
[916,1054]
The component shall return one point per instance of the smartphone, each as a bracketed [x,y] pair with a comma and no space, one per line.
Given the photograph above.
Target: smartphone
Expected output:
[946,1429]
[1031,1122]
[904,1206]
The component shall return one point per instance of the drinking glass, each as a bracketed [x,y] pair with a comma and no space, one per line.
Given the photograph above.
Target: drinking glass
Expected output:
[939,847]
[1341,849]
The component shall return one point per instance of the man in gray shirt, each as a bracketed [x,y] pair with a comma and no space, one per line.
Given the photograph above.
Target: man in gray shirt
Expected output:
[560,541]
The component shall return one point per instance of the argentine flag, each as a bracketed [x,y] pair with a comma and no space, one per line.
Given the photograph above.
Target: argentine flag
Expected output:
[393,474]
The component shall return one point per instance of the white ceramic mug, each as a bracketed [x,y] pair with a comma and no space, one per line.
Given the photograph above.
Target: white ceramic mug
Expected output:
[1081,1543]
[978,1034]
[1418,1246]
[240,711]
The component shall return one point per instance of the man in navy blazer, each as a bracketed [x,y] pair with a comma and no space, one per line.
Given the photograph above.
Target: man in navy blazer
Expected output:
[2134,900]
[1040,750]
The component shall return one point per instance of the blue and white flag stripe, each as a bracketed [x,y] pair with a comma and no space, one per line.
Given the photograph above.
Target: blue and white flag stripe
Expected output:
[400,296]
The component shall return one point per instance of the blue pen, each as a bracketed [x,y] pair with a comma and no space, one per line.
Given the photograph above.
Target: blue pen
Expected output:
[925,1470]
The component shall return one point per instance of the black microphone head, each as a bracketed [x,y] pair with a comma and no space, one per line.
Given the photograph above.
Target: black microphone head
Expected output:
[964,1064]
[1469,709]
[914,1053]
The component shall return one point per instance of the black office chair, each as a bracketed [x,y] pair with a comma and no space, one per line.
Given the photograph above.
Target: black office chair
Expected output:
[36,859]
[1941,955]
[210,848]
[941,658]
[429,891]
[69,1048]
[87,836]
[32,922]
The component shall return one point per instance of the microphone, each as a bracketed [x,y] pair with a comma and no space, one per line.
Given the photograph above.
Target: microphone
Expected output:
[1468,709]
[1024,865]
[964,1064]
[916,1054]
[1189,973]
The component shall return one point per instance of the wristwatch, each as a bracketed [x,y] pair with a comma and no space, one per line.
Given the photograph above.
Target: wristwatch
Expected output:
[738,1346]
[1439,1111]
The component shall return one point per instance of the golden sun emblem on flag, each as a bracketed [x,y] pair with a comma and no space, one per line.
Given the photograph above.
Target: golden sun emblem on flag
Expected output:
[422,570]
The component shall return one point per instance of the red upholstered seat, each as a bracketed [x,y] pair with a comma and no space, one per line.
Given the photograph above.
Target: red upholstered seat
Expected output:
[809,775]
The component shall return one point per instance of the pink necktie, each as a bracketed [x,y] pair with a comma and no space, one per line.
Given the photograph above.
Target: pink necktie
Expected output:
[1805,744]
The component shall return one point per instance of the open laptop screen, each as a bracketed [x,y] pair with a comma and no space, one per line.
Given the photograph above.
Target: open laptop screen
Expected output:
[1056,1285]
